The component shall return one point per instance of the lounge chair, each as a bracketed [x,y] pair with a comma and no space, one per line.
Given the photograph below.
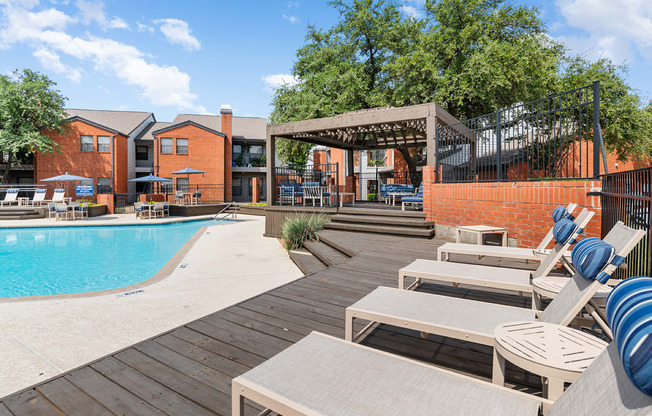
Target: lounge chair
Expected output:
[39,197]
[475,321]
[565,234]
[415,201]
[323,375]
[10,197]
[58,195]
[516,253]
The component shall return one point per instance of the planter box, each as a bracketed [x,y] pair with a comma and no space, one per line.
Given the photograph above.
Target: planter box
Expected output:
[97,210]
[194,210]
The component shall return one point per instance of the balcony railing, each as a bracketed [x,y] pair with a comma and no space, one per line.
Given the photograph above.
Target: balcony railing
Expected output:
[149,163]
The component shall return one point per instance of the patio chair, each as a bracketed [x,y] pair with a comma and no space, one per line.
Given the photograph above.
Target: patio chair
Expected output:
[159,209]
[413,201]
[166,208]
[73,207]
[516,253]
[289,191]
[179,196]
[58,195]
[323,375]
[82,210]
[196,198]
[565,233]
[10,197]
[39,197]
[313,191]
[475,321]
[62,210]
[52,212]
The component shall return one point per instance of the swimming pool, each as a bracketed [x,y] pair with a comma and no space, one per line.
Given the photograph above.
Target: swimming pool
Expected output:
[65,260]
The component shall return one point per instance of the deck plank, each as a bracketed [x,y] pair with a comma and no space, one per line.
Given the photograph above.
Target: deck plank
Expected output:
[188,370]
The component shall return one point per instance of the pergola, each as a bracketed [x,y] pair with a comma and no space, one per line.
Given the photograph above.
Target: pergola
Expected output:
[377,128]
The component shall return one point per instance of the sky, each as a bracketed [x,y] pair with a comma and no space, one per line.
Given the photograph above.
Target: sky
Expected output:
[192,56]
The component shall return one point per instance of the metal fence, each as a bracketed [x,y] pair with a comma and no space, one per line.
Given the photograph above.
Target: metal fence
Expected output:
[306,185]
[550,138]
[627,197]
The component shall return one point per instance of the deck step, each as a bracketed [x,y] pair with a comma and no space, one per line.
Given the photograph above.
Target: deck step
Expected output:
[327,254]
[306,262]
[382,229]
[384,220]
[381,212]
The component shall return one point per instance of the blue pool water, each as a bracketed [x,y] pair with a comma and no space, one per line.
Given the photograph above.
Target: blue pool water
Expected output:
[58,260]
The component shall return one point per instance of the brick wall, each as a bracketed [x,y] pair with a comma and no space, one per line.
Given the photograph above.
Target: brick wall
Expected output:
[225,166]
[69,157]
[205,152]
[523,207]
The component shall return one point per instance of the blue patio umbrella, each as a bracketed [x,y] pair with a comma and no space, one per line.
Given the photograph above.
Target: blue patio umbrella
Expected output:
[150,179]
[188,171]
[66,177]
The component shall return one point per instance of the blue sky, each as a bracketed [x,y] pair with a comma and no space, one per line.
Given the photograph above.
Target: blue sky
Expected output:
[192,56]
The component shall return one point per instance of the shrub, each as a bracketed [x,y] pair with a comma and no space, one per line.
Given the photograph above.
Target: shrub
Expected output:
[302,227]
[372,197]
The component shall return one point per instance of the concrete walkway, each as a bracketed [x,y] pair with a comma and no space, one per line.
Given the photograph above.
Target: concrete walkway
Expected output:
[228,264]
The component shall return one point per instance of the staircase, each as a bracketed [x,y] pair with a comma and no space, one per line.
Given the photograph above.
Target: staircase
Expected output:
[383,221]
[21,213]
[316,256]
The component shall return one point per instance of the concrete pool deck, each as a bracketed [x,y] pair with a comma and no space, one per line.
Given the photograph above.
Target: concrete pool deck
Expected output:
[228,264]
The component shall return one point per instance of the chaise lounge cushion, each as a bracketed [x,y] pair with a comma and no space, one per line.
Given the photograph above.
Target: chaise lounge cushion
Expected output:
[560,213]
[563,231]
[629,310]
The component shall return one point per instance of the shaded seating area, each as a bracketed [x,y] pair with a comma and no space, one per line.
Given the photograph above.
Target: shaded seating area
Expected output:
[391,192]
[144,210]
[415,201]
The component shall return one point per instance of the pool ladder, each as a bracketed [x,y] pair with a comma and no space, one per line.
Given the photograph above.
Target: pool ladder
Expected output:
[232,211]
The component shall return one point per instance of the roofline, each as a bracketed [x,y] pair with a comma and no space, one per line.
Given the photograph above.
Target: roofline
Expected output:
[217,115]
[174,126]
[141,123]
[98,125]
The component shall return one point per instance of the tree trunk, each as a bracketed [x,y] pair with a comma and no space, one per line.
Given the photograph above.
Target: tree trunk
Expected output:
[10,161]
[415,175]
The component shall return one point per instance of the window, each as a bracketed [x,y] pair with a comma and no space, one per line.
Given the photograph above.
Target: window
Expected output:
[237,155]
[256,151]
[142,153]
[103,185]
[237,187]
[166,145]
[183,185]
[103,144]
[86,143]
[376,157]
[182,146]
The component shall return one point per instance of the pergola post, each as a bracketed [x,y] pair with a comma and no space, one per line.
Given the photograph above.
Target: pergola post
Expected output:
[431,145]
[271,162]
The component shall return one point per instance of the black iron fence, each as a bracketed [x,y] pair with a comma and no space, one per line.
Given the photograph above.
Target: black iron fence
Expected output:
[307,185]
[627,197]
[557,137]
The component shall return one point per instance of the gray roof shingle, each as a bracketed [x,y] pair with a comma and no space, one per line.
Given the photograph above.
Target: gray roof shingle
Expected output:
[146,134]
[246,127]
[123,121]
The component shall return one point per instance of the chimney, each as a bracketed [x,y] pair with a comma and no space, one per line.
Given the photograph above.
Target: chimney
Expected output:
[226,123]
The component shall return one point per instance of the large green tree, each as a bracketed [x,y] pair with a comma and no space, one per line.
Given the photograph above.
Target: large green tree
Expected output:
[471,56]
[29,104]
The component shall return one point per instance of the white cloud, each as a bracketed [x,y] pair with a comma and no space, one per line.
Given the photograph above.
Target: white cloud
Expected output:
[144,28]
[93,11]
[615,27]
[51,61]
[291,19]
[177,31]
[411,11]
[160,84]
[276,80]
[292,4]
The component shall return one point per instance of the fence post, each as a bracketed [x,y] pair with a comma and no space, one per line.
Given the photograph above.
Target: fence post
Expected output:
[436,153]
[499,148]
[598,144]
[337,183]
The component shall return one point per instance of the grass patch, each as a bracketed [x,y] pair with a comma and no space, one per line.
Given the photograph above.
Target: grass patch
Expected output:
[302,227]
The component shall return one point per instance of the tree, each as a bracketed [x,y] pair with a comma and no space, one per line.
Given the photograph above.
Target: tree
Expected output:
[29,104]
[471,56]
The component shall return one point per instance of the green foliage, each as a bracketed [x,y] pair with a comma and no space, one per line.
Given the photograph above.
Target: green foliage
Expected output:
[626,123]
[471,56]
[372,196]
[293,153]
[29,104]
[302,227]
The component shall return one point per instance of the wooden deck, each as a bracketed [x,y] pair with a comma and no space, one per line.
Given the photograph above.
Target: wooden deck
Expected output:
[188,370]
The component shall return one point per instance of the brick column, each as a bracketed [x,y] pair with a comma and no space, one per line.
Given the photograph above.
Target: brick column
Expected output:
[107,199]
[255,192]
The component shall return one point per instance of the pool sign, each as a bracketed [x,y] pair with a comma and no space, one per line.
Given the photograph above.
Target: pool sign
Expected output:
[84,190]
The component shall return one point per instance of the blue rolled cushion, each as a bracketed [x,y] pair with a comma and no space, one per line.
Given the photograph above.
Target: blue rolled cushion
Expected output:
[560,213]
[629,293]
[591,255]
[563,231]
[632,329]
